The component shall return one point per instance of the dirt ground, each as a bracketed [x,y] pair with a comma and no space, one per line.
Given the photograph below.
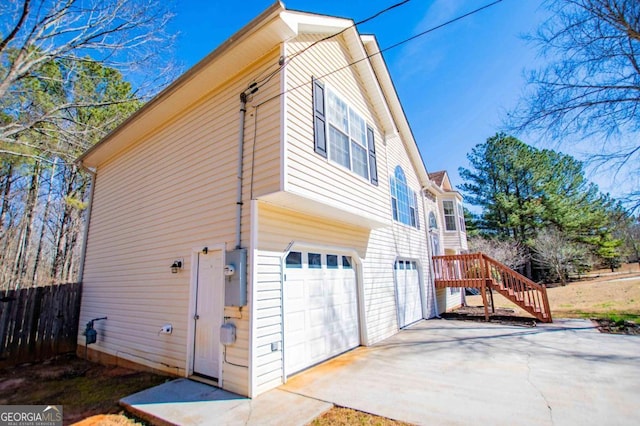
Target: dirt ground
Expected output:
[89,393]
[612,299]
[83,388]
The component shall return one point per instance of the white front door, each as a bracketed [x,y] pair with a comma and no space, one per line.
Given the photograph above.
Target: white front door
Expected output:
[208,314]
[320,307]
[408,288]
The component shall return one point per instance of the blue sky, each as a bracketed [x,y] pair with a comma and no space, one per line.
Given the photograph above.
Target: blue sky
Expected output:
[455,84]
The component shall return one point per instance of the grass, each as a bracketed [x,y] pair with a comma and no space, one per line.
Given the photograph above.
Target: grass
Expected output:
[89,393]
[340,416]
[612,297]
[84,389]
[616,317]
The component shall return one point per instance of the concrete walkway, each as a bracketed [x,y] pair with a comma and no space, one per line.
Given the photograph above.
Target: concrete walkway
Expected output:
[185,402]
[441,372]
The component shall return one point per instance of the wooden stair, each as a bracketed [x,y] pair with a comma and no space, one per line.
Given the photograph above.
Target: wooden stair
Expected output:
[477,270]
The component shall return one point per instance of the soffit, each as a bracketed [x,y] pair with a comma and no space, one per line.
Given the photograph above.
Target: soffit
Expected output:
[237,53]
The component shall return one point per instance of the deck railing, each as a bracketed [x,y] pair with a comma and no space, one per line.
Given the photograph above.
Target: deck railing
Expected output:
[477,270]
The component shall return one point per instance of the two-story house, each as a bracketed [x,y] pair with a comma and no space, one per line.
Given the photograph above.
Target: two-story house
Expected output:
[447,232]
[265,212]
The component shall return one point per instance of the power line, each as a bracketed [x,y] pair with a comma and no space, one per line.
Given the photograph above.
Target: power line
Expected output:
[437,27]
[393,46]
[355,24]
[349,27]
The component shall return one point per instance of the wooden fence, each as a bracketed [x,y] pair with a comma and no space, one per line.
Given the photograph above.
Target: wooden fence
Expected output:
[38,323]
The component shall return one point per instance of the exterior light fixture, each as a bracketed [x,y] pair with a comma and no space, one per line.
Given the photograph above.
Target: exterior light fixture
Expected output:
[176,266]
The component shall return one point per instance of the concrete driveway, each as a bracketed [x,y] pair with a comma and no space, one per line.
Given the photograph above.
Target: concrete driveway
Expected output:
[462,373]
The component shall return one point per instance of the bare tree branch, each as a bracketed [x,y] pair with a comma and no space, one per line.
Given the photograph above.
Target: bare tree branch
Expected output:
[589,90]
[14,31]
[128,35]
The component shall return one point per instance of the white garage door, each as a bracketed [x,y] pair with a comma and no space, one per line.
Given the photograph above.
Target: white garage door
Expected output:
[320,308]
[408,287]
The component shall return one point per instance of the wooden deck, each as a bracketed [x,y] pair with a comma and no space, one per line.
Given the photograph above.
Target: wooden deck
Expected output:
[477,270]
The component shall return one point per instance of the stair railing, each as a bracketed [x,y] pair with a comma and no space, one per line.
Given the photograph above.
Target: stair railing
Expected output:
[477,270]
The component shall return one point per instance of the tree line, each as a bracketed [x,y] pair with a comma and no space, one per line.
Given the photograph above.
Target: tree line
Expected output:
[539,212]
[62,88]
[44,193]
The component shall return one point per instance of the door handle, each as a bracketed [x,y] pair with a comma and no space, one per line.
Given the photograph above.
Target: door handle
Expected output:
[196,317]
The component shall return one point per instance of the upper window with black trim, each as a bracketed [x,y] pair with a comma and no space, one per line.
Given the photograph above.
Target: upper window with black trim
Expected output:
[342,135]
[404,201]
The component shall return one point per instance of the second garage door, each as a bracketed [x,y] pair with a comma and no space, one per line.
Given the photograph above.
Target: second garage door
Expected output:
[320,308]
[408,287]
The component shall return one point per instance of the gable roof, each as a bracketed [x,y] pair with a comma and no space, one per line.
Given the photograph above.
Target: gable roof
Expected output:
[438,177]
[272,27]
[440,180]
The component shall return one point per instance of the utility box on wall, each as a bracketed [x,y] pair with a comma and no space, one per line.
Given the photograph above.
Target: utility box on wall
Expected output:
[235,278]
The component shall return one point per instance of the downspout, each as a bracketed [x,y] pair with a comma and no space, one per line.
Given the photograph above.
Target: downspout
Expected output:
[85,233]
[432,271]
[243,113]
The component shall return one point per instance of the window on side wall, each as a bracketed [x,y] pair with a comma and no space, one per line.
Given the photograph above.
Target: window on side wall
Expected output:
[449,215]
[404,201]
[433,222]
[342,134]
[461,217]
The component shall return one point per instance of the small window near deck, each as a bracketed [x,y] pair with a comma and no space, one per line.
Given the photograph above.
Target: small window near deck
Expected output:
[332,261]
[346,262]
[294,260]
[315,260]
[449,215]
[461,217]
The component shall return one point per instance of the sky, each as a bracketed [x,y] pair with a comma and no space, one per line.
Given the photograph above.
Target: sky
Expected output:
[456,84]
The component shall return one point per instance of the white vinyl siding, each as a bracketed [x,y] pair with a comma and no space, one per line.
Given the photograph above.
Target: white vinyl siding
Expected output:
[378,249]
[447,300]
[331,180]
[166,194]
[278,228]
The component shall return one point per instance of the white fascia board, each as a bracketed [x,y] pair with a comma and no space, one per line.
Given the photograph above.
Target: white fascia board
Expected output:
[359,53]
[301,22]
[160,108]
[400,119]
